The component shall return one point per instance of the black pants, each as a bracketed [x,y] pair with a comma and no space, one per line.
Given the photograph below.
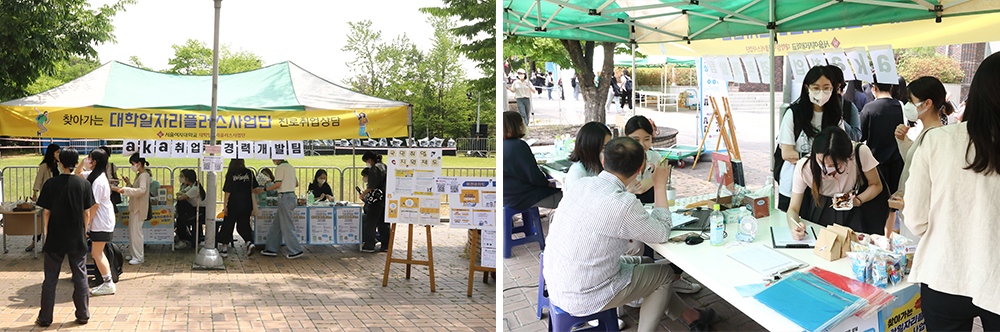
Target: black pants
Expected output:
[892,172]
[627,99]
[375,218]
[948,312]
[81,293]
[185,226]
[239,219]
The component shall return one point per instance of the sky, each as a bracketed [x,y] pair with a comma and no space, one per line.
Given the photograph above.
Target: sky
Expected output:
[309,33]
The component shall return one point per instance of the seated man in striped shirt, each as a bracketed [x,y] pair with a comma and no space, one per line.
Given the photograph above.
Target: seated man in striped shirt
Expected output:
[584,267]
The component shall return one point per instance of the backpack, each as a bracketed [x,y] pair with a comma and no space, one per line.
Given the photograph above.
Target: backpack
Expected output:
[628,83]
[572,81]
[779,161]
[116,260]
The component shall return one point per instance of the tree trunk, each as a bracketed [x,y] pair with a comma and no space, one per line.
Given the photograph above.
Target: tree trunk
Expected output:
[594,96]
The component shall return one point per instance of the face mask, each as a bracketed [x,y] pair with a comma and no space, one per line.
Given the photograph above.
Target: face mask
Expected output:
[520,76]
[910,111]
[135,168]
[819,97]
[321,181]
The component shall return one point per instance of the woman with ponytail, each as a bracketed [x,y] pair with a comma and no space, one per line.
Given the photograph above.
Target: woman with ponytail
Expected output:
[102,227]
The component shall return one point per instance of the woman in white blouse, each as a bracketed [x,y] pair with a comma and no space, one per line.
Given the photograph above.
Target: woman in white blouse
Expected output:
[640,129]
[951,202]
[586,156]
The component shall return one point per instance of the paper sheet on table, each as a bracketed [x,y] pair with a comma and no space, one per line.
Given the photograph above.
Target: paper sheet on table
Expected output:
[766,261]
[751,289]
[782,236]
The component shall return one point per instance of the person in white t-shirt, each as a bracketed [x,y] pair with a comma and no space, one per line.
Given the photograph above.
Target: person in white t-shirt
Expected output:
[522,93]
[102,227]
[587,154]
[817,108]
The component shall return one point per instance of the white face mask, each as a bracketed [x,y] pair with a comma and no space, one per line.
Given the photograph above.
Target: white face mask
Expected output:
[135,168]
[819,97]
[321,181]
[910,111]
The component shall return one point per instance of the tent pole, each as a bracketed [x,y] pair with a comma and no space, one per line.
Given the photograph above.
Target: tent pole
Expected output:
[634,85]
[209,258]
[773,37]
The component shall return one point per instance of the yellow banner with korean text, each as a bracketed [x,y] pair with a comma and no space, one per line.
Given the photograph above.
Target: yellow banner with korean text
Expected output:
[89,122]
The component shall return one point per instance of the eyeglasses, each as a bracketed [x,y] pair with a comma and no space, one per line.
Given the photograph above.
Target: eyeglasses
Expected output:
[814,88]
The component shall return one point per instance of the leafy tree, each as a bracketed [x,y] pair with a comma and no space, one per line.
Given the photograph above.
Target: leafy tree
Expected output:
[442,109]
[194,57]
[63,72]
[134,61]
[594,95]
[944,68]
[478,26]
[363,42]
[34,37]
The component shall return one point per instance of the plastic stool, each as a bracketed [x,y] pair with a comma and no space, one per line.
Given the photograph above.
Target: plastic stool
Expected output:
[543,295]
[560,320]
[532,229]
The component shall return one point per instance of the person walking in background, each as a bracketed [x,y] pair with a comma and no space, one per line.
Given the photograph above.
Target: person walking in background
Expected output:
[69,204]
[613,91]
[47,169]
[576,88]
[539,81]
[138,206]
[320,188]
[522,93]
[283,229]
[549,83]
[625,81]
[239,204]
[376,209]
[951,203]
[102,225]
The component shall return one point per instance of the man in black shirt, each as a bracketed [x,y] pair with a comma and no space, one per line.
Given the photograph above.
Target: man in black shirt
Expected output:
[69,207]
[879,119]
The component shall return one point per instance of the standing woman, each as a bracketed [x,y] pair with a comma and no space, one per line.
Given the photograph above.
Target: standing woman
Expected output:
[102,226]
[817,108]
[320,188]
[138,206]
[641,130]
[586,156]
[832,168]
[951,203]
[376,186]
[47,169]
[239,205]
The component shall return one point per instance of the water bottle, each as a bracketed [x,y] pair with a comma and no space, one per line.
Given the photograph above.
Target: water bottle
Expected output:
[570,144]
[310,198]
[717,222]
[558,147]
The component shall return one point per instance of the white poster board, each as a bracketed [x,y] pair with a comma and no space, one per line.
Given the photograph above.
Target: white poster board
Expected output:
[409,195]
[245,150]
[229,149]
[764,65]
[885,64]
[859,61]
[816,58]
[737,69]
[130,146]
[265,220]
[178,149]
[474,204]
[488,245]
[837,58]
[321,226]
[348,225]
[753,73]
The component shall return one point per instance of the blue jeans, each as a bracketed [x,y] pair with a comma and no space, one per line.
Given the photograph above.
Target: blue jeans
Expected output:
[283,229]
[524,106]
[550,93]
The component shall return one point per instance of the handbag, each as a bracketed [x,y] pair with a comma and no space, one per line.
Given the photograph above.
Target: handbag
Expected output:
[374,196]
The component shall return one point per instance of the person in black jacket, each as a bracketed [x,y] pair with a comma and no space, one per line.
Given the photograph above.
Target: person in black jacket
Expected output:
[239,205]
[376,209]
[320,188]
[524,184]
[879,119]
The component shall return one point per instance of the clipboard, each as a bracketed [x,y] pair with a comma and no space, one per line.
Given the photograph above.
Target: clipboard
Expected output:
[783,239]
[766,261]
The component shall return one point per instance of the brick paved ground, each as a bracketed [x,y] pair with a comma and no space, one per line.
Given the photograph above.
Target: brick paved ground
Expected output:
[331,288]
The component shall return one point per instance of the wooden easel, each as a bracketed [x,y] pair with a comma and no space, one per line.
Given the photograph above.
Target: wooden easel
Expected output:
[473,267]
[409,256]
[726,126]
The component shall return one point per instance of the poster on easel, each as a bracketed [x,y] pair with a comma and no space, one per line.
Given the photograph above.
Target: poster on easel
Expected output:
[715,87]
[488,245]
[410,194]
[473,201]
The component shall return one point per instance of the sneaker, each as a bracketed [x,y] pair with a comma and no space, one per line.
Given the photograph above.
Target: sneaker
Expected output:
[135,262]
[42,324]
[128,258]
[269,253]
[635,304]
[250,248]
[296,255]
[29,249]
[224,252]
[368,248]
[383,248]
[686,287]
[104,289]
[180,245]
[703,323]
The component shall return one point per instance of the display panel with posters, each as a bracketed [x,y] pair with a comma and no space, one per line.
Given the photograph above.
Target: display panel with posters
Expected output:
[410,196]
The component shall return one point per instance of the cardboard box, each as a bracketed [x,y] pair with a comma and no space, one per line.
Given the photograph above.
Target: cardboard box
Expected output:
[845,236]
[828,245]
[761,206]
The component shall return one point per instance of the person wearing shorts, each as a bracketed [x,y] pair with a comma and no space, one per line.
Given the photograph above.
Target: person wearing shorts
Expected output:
[102,226]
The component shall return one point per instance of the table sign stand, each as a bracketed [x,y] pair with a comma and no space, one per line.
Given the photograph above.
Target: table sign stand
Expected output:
[473,267]
[409,256]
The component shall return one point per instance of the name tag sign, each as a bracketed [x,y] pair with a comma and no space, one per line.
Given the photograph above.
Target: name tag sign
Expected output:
[885,64]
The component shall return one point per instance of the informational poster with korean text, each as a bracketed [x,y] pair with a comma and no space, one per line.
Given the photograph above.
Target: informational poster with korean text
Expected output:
[412,194]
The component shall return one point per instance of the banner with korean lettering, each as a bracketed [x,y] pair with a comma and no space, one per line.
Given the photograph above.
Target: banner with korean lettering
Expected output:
[86,122]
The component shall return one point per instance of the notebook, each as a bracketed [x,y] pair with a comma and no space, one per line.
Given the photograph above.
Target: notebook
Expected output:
[678,221]
[767,261]
[781,237]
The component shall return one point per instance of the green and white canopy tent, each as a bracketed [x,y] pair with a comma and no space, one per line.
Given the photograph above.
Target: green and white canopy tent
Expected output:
[701,27]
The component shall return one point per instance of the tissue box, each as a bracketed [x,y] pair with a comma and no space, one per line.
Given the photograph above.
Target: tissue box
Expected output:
[761,205]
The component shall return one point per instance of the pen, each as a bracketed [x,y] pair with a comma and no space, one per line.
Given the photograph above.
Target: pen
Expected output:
[665,157]
[796,246]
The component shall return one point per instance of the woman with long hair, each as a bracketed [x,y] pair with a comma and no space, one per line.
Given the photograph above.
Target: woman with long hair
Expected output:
[239,204]
[320,187]
[47,169]
[102,226]
[586,156]
[376,218]
[831,171]
[640,129]
[524,184]
[817,108]
[951,203]
[138,206]
[190,199]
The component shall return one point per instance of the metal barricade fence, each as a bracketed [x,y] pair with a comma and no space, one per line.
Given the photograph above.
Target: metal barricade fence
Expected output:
[483,147]
[18,181]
